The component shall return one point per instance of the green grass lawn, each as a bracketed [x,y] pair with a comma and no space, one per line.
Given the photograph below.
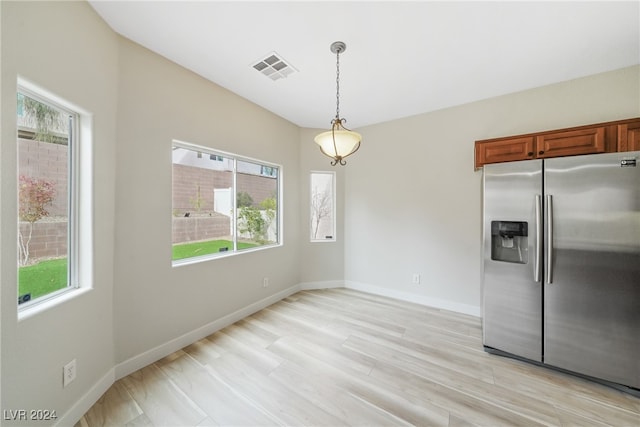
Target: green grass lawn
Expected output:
[188,250]
[42,278]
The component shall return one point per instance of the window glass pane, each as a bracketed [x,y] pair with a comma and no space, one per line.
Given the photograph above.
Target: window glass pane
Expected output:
[20,106]
[43,197]
[202,204]
[322,206]
[221,204]
[257,204]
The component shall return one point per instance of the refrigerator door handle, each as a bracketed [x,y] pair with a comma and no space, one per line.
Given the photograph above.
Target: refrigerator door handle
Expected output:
[549,240]
[537,268]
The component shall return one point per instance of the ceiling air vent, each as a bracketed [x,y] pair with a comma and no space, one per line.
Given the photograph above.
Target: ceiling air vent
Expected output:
[274,67]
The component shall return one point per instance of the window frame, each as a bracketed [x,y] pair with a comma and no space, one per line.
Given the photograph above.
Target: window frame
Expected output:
[333,206]
[175,143]
[79,200]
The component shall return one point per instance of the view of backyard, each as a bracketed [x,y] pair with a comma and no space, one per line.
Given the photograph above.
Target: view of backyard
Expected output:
[43,197]
[220,203]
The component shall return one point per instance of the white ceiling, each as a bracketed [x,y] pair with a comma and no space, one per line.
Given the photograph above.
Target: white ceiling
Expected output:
[402,58]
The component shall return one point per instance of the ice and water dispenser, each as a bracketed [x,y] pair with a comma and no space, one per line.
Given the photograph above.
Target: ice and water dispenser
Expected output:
[509,241]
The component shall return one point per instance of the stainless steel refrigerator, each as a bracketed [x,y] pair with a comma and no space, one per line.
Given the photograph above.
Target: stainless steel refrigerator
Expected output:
[561,268]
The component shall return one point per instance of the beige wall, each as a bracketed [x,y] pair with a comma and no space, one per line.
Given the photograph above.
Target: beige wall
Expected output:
[413,183]
[322,263]
[157,102]
[85,73]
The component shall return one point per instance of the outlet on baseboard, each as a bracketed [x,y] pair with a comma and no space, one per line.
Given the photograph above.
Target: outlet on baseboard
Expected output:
[415,279]
[69,373]
[265,282]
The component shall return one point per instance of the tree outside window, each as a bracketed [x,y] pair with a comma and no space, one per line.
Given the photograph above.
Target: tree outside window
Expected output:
[322,206]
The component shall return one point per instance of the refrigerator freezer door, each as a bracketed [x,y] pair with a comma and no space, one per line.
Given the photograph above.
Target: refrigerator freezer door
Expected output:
[592,305]
[512,299]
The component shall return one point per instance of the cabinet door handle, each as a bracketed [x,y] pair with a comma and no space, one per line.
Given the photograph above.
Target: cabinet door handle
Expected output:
[530,153]
[540,152]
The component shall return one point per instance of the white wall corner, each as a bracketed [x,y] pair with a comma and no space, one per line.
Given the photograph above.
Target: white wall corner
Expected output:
[471,310]
[150,356]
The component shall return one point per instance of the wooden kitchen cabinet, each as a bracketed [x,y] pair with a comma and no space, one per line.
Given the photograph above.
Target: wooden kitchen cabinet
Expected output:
[629,136]
[621,135]
[504,150]
[570,143]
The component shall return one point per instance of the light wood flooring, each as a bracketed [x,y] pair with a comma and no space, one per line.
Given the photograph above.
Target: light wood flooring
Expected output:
[339,357]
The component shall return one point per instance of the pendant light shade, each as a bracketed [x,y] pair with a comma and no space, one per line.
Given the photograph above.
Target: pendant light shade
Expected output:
[339,142]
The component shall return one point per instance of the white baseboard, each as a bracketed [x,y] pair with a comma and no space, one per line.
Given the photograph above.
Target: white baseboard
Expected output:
[471,310]
[144,359]
[327,284]
[85,403]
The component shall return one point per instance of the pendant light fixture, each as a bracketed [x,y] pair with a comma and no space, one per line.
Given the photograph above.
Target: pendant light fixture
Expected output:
[339,142]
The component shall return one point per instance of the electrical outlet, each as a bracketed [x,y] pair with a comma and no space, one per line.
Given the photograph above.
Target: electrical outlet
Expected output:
[415,279]
[69,373]
[265,282]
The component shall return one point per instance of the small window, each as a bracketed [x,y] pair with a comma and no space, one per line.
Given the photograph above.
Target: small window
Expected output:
[323,207]
[222,204]
[48,171]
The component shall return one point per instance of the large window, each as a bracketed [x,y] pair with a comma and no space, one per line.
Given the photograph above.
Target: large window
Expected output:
[222,203]
[323,207]
[47,208]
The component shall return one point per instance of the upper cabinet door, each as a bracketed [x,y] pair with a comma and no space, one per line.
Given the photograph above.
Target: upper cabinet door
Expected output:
[504,150]
[629,136]
[571,143]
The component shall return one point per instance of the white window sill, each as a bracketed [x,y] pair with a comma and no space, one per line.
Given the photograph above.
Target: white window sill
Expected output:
[38,307]
[220,255]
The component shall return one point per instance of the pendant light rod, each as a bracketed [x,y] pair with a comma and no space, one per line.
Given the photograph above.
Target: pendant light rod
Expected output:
[338,48]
